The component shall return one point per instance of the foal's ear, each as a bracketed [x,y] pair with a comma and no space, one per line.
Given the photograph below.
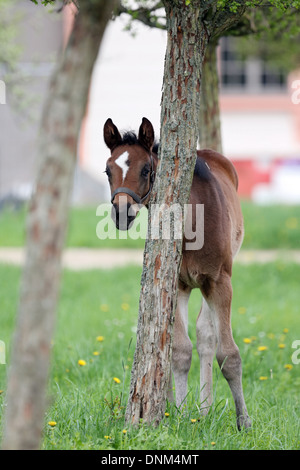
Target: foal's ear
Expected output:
[146,134]
[111,134]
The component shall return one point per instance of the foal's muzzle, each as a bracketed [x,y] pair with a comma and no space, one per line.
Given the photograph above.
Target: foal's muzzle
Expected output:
[123,216]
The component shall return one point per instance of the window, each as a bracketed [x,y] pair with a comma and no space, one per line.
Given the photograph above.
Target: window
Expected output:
[251,76]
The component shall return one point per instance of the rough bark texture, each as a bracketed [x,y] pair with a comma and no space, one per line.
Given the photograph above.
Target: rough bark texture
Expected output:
[46,227]
[189,27]
[209,117]
[187,39]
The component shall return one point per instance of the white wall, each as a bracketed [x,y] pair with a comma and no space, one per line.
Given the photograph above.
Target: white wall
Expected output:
[260,134]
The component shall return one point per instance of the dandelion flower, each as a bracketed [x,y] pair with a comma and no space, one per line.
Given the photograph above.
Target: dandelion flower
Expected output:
[285,330]
[81,362]
[263,377]
[247,340]
[104,308]
[281,346]
[167,414]
[118,381]
[288,366]
[100,338]
[96,353]
[212,443]
[52,424]
[242,310]
[193,420]
[124,431]
[262,348]
[125,306]
[107,437]
[291,223]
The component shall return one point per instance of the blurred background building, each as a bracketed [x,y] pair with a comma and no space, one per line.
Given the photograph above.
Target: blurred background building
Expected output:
[260,121]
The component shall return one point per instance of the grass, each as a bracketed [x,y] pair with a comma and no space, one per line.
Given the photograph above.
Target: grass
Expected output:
[273,226]
[96,322]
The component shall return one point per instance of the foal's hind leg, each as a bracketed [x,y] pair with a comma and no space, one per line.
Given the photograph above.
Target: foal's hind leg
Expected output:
[206,347]
[182,346]
[228,355]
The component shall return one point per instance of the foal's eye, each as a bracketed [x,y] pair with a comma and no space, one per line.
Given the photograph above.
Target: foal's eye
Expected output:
[145,172]
[108,172]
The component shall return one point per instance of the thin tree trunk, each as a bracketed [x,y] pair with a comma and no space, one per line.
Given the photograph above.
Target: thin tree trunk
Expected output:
[209,117]
[46,228]
[186,45]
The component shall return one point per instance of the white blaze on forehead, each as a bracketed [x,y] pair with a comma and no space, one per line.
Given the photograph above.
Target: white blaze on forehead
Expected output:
[122,162]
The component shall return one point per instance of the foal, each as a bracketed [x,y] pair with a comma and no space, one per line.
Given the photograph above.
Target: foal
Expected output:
[131,170]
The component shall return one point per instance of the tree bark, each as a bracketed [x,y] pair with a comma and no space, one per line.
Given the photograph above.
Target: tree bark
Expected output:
[209,116]
[46,228]
[187,39]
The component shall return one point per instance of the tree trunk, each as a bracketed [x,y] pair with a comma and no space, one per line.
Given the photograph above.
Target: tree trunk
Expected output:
[187,39]
[46,228]
[209,118]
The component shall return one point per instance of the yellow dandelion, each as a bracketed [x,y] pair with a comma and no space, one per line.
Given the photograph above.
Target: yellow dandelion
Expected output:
[291,223]
[118,381]
[81,362]
[262,348]
[285,330]
[125,306]
[193,420]
[1,391]
[100,338]
[212,443]
[247,340]
[107,437]
[104,308]
[242,310]
[167,414]
[96,353]
[281,346]
[263,377]
[52,424]
[124,431]
[288,366]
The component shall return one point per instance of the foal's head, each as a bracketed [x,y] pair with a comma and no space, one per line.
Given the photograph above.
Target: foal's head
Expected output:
[130,170]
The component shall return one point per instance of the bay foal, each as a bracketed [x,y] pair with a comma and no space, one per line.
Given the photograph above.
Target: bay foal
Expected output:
[131,170]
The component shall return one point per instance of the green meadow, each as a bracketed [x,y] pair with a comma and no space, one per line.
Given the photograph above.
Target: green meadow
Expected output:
[266,227]
[94,341]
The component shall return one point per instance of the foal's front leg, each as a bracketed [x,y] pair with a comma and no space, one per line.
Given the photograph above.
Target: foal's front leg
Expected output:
[182,347]
[228,355]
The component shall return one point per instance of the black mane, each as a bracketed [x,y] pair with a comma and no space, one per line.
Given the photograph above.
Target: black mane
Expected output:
[129,138]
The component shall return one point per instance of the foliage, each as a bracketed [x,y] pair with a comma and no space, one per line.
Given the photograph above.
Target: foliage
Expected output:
[87,404]
[273,26]
[9,50]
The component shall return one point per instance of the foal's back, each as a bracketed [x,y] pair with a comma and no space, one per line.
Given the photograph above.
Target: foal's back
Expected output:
[215,184]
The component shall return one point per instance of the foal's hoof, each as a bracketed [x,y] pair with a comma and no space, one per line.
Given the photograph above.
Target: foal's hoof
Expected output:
[243,422]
